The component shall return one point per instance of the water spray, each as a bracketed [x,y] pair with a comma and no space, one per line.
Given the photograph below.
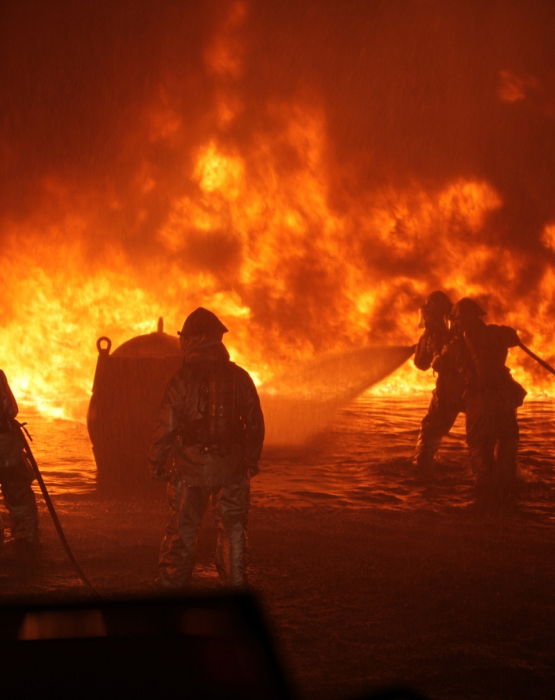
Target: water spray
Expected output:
[303,400]
[35,467]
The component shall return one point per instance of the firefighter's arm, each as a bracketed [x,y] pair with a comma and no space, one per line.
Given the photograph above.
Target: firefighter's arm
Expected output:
[450,359]
[165,432]
[424,353]
[508,336]
[251,413]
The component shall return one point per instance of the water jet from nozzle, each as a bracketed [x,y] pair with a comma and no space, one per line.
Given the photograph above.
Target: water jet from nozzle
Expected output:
[303,400]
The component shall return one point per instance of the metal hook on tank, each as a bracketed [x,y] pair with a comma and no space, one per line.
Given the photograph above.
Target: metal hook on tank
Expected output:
[102,350]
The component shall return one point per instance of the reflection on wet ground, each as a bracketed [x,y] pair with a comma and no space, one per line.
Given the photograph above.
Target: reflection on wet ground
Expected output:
[367,575]
[364,460]
[361,460]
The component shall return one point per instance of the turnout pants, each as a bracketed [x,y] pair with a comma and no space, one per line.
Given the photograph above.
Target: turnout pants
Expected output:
[188,505]
[492,438]
[436,424]
[20,502]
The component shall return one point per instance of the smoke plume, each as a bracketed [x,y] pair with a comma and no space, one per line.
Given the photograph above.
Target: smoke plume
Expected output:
[309,171]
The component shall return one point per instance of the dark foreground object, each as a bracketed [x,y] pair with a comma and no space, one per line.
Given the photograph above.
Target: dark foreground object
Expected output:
[199,647]
[206,647]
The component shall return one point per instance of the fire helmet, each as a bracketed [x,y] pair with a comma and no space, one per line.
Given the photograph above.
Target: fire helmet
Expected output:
[438,302]
[466,310]
[437,308]
[202,322]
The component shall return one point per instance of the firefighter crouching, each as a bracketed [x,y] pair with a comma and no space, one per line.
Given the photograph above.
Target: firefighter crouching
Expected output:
[492,396]
[16,477]
[207,444]
[446,403]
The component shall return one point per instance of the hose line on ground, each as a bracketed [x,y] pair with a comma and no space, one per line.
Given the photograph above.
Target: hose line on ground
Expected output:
[31,460]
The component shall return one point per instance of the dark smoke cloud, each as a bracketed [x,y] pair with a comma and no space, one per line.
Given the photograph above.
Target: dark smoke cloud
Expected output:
[77,79]
[411,89]
[412,92]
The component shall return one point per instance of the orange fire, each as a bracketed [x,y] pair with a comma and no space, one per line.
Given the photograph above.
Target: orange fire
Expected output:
[256,234]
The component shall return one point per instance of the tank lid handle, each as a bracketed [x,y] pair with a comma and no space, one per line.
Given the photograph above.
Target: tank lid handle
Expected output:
[104,350]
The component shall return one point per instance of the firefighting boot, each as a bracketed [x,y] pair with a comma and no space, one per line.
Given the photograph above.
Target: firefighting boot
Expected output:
[230,557]
[423,460]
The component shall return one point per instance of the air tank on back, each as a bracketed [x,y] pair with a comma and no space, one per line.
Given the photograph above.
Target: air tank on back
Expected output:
[127,390]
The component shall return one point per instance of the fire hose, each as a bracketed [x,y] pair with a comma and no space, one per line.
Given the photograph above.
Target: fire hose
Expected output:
[35,467]
[543,363]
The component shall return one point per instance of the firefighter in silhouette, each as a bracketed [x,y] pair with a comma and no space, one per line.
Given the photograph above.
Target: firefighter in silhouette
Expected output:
[16,476]
[446,402]
[207,443]
[479,352]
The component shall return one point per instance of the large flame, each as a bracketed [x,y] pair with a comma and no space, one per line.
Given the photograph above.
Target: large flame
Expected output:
[266,229]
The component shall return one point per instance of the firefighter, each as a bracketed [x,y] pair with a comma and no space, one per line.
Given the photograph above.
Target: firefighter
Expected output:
[207,443]
[16,477]
[446,403]
[491,397]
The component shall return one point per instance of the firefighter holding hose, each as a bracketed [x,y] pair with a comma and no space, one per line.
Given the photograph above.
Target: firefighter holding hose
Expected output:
[446,403]
[479,351]
[16,477]
[207,443]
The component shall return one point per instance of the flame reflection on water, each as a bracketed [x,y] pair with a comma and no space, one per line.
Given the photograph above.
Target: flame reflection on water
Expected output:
[361,460]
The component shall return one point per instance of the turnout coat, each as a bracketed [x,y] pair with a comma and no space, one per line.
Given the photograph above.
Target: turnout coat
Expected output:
[185,442]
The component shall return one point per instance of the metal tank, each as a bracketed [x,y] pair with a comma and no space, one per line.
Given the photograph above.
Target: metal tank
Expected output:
[127,390]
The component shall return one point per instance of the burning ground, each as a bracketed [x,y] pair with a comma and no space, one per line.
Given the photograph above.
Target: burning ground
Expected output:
[308,173]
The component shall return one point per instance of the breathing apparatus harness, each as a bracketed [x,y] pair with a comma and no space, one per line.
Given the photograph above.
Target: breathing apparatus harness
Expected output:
[219,428]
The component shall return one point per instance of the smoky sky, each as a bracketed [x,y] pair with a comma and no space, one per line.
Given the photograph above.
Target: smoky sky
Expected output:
[413,91]
[77,77]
